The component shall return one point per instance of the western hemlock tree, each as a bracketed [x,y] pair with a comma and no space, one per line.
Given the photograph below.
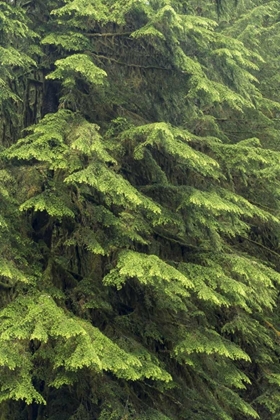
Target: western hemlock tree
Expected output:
[139,281]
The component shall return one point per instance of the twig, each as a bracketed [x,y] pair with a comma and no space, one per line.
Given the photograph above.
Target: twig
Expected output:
[129,64]
[260,245]
[108,34]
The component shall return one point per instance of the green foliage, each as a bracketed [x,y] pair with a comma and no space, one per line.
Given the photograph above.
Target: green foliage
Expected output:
[79,64]
[16,55]
[139,210]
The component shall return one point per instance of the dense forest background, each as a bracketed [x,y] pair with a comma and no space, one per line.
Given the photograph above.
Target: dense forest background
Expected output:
[139,209]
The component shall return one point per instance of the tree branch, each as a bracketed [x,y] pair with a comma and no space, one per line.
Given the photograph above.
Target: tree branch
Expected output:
[260,245]
[128,64]
[108,34]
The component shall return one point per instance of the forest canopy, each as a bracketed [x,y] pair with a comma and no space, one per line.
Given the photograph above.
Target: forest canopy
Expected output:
[139,210]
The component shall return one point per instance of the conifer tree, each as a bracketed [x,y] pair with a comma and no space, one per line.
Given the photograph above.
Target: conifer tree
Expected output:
[139,200]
